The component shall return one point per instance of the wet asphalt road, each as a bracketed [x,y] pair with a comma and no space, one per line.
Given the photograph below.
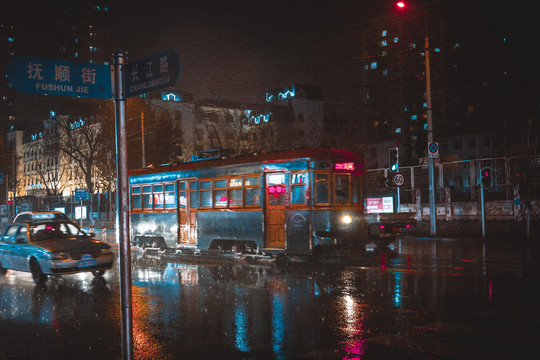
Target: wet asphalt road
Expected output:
[431,298]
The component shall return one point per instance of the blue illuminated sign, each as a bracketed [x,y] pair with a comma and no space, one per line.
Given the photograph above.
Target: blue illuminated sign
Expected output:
[57,77]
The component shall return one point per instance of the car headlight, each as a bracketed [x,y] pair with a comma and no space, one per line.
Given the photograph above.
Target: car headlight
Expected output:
[346,219]
[59,256]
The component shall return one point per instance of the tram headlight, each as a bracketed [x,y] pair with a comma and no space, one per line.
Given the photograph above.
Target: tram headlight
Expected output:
[346,219]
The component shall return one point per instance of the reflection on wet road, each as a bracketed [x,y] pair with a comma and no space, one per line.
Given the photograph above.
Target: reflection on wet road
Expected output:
[189,309]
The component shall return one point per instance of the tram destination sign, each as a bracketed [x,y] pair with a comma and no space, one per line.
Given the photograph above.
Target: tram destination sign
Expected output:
[151,73]
[58,77]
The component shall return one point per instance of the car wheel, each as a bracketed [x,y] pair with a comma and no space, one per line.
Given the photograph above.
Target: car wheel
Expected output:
[37,275]
[98,273]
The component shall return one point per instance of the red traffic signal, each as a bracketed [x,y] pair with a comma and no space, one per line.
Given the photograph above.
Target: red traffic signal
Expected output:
[485,175]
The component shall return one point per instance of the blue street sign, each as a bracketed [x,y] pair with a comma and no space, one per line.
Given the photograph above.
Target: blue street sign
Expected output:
[80,194]
[57,77]
[151,73]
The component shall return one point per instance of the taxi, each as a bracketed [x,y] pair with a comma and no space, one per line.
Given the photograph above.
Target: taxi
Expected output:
[47,246]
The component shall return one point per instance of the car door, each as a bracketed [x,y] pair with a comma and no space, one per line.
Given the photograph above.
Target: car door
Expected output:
[7,246]
[21,249]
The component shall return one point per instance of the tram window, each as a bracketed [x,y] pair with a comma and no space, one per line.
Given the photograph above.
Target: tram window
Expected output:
[183,199]
[136,199]
[182,185]
[158,200]
[206,185]
[299,178]
[235,197]
[357,190]
[252,196]
[298,195]
[220,183]
[220,193]
[193,195]
[252,191]
[298,189]
[147,197]
[341,189]
[252,181]
[278,189]
[322,188]
[235,192]
[220,198]
[233,183]
[147,201]
[206,198]
[170,197]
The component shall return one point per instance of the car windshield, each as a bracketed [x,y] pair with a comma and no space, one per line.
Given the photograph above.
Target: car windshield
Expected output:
[54,230]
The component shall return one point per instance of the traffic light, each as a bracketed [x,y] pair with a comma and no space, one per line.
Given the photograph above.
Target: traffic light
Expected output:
[393,159]
[485,175]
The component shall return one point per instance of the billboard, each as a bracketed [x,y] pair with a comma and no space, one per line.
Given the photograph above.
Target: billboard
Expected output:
[382,204]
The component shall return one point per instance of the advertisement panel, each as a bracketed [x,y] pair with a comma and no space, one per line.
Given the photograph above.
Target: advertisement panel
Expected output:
[382,204]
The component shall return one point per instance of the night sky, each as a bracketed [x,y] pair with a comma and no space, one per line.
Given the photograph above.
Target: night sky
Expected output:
[238,49]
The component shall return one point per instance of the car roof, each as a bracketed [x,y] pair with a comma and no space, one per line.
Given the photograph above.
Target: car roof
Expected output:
[42,216]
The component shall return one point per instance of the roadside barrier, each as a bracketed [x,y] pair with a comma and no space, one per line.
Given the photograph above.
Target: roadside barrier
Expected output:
[104,233]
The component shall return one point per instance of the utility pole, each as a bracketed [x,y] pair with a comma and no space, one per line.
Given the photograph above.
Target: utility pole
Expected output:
[142,137]
[431,172]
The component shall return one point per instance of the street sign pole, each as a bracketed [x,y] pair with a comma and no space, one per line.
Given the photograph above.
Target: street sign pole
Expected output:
[119,58]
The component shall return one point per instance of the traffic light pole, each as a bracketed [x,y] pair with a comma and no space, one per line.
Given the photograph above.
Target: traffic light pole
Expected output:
[483,209]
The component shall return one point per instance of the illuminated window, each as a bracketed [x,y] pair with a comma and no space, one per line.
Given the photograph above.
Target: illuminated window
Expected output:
[220,193]
[252,191]
[298,188]
[384,33]
[235,192]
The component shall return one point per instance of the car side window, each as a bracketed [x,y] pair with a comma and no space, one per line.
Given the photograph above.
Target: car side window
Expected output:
[9,234]
[22,234]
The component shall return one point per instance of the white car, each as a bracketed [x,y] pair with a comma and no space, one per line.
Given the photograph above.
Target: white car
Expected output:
[52,247]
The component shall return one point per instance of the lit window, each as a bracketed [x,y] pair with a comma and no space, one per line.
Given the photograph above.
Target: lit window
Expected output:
[384,33]
[414,117]
[373,65]
[398,130]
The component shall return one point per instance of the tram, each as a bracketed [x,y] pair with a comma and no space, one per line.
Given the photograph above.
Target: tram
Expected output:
[289,202]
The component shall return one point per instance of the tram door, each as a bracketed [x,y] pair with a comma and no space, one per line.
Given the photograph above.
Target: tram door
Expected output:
[183,213]
[277,195]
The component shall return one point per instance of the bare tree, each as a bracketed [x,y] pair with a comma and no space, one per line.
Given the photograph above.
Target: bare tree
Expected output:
[82,141]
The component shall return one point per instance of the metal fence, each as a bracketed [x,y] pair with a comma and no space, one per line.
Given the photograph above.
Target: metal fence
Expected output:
[512,177]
